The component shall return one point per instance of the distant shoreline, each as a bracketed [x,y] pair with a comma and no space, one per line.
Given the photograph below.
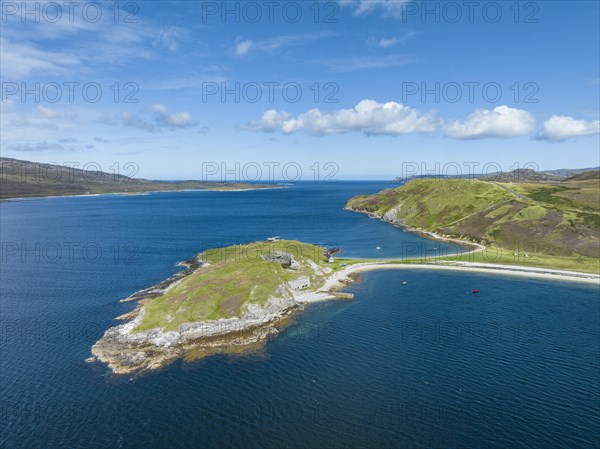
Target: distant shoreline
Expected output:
[141,193]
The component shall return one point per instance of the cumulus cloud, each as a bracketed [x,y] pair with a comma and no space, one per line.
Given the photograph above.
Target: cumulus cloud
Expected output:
[501,121]
[158,108]
[368,117]
[563,127]
[179,119]
[159,121]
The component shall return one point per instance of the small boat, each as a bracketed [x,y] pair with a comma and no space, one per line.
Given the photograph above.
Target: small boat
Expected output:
[273,239]
[378,247]
[475,291]
[404,282]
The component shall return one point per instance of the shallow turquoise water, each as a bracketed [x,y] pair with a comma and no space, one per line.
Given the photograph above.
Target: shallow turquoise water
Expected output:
[422,365]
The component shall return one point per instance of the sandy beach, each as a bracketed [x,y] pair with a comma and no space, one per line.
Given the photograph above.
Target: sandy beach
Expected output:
[343,277]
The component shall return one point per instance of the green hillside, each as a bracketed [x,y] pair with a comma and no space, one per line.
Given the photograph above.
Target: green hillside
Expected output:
[556,224]
[235,277]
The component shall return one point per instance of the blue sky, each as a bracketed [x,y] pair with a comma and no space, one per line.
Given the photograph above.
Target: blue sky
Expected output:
[362,69]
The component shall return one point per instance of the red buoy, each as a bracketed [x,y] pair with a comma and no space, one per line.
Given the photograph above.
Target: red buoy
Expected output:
[475,291]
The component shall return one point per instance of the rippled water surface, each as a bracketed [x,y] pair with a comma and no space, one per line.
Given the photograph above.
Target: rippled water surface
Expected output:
[421,365]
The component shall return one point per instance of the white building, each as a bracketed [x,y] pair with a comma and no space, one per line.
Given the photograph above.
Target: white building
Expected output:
[300,283]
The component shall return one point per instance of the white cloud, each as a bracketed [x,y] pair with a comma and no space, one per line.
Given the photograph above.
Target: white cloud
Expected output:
[57,48]
[159,108]
[501,121]
[161,120]
[21,60]
[179,119]
[385,43]
[133,121]
[388,8]
[563,127]
[48,113]
[40,146]
[169,37]
[32,122]
[368,117]
[243,47]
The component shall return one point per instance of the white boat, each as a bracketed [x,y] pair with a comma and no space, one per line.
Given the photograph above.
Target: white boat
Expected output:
[378,247]
[274,238]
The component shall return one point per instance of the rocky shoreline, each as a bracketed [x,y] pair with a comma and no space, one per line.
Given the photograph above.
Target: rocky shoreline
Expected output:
[392,218]
[127,352]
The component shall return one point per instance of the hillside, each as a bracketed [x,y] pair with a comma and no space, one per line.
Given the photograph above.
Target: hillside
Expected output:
[24,179]
[518,175]
[523,175]
[585,176]
[557,222]
[568,172]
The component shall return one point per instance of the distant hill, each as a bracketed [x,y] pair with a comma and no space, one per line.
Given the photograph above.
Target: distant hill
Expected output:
[519,175]
[567,172]
[523,175]
[585,176]
[23,179]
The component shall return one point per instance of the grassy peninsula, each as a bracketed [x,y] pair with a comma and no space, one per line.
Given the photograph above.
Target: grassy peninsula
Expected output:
[234,278]
[545,224]
[226,300]
[25,179]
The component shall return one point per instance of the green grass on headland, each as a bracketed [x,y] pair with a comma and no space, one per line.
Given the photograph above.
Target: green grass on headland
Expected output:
[236,277]
[550,225]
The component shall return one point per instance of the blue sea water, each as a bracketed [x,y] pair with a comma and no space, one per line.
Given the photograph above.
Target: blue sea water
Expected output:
[421,365]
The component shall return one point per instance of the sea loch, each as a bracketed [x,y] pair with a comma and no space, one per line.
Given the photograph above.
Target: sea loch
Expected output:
[426,364]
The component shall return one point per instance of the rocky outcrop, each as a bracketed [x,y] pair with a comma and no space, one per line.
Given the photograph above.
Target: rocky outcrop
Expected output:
[285,259]
[126,351]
